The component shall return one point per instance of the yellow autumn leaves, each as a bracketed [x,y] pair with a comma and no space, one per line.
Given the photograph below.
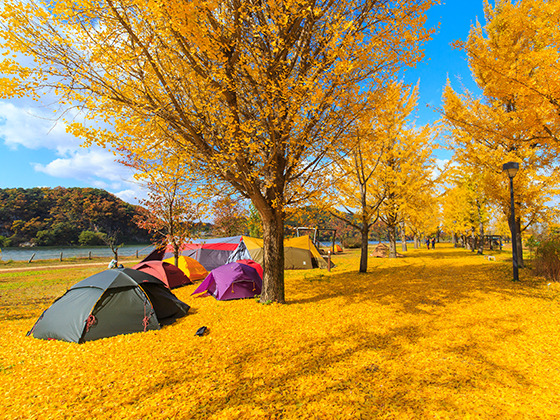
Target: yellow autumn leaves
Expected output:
[437,334]
[513,57]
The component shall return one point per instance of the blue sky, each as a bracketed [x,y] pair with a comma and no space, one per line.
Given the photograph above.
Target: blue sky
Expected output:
[37,152]
[441,60]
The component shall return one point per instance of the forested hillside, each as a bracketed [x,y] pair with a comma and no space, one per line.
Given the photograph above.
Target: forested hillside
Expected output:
[66,216]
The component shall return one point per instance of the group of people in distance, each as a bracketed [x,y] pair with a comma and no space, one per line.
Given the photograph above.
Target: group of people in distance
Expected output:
[432,241]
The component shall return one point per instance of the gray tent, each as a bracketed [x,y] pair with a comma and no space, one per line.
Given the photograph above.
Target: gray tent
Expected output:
[109,303]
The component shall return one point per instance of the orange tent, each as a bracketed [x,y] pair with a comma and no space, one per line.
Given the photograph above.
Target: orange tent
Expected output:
[191,267]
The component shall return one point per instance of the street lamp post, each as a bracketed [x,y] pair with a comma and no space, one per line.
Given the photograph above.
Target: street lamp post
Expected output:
[511,169]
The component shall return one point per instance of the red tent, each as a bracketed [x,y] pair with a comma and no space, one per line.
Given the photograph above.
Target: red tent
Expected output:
[253,264]
[167,273]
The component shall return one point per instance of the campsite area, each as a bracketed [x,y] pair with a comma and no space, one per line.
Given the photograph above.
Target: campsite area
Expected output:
[440,333]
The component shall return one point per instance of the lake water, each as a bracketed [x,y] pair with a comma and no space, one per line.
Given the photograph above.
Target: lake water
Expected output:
[52,253]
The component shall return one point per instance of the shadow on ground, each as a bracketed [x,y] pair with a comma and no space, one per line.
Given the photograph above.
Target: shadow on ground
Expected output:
[434,277]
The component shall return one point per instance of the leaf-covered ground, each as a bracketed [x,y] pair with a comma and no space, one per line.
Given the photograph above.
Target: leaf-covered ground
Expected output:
[437,334]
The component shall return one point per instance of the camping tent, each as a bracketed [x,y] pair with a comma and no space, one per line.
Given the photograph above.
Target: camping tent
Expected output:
[167,306]
[248,249]
[253,264]
[231,281]
[109,303]
[382,251]
[211,253]
[299,253]
[191,267]
[169,274]
[156,255]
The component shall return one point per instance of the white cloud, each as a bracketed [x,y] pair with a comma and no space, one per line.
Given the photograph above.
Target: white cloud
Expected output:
[441,164]
[87,165]
[130,195]
[24,126]
[438,168]
[83,164]
[34,128]
[97,167]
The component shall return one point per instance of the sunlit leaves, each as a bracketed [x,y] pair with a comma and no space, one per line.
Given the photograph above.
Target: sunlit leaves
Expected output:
[515,118]
[172,206]
[251,92]
[515,57]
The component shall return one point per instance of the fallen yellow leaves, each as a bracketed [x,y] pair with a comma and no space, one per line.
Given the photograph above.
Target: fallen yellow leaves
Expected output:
[438,334]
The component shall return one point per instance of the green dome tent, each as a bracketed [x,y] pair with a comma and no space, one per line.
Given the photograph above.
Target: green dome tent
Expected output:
[113,302]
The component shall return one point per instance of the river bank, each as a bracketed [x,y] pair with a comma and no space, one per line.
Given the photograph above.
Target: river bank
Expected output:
[53,264]
[66,253]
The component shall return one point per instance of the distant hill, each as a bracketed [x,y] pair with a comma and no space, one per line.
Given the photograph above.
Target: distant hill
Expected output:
[66,216]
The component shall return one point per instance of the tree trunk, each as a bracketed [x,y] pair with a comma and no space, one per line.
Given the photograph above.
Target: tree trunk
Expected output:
[403,238]
[364,250]
[176,256]
[273,261]
[454,240]
[481,236]
[115,251]
[468,242]
[416,241]
[520,261]
[517,238]
[392,231]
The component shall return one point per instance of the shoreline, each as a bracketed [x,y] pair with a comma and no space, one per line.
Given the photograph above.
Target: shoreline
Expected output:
[43,265]
[43,254]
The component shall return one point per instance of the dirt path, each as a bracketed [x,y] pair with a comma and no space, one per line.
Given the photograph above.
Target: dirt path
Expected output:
[56,267]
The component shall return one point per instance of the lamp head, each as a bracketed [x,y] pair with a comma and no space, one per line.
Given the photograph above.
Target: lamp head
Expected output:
[510,168]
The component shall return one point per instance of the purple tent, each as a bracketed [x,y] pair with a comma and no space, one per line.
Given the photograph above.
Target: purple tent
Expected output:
[231,281]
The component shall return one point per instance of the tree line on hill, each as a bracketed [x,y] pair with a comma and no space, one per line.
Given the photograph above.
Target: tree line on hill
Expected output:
[66,216]
[89,216]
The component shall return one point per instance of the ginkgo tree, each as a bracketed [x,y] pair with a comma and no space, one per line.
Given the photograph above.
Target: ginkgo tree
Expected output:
[500,126]
[422,214]
[355,173]
[254,94]
[536,183]
[454,211]
[466,207]
[406,174]
[376,145]
[406,166]
[515,55]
